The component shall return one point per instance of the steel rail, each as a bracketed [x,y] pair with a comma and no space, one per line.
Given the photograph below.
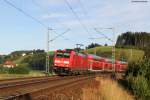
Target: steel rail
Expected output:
[33,81]
[9,81]
[72,79]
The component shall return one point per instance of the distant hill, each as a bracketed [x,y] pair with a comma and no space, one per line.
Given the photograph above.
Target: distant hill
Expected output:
[121,53]
[104,51]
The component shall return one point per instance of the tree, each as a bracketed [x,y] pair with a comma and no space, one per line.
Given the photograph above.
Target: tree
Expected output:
[1,59]
[36,61]
[106,44]
[134,40]
[92,45]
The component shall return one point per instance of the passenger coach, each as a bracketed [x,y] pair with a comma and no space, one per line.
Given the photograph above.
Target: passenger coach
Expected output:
[70,62]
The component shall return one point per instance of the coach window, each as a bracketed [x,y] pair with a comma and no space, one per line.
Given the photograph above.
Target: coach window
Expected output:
[59,55]
[66,55]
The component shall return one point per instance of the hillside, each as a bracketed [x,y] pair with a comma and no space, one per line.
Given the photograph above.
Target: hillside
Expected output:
[121,53]
[104,51]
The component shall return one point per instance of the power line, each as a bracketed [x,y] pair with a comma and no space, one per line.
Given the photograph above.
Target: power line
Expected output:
[83,8]
[65,38]
[43,9]
[103,35]
[86,15]
[33,18]
[25,13]
[59,35]
[77,17]
[85,12]
[48,12]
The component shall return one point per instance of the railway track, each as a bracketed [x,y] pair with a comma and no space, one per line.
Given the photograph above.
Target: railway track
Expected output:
[24,78]
[23,88]
[25,81]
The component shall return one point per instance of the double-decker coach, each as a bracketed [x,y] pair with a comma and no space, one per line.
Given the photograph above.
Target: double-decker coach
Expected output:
[70,62]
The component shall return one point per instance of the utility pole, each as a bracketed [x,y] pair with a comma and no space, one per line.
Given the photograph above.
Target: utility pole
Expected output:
[47,52]
[113,44]
[95,51]
[114,50]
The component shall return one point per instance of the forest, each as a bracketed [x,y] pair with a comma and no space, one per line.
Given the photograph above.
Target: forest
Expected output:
[138,40]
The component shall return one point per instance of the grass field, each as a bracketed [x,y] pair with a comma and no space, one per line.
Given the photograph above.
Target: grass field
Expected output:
[31,74]
[107,90]
[121,53]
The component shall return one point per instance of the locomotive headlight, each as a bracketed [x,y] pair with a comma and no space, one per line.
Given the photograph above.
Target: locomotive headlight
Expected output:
[57,61]
[66,62]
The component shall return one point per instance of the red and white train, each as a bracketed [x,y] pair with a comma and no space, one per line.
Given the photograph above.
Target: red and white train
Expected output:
[71,62]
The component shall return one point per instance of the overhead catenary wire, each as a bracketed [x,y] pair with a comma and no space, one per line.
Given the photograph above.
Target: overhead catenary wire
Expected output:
[83,8]
[44,10]
[25,13]
[103,35]
[28,15]
[49,13]
[77,17]
[65,38]
[59,35]
[86,15]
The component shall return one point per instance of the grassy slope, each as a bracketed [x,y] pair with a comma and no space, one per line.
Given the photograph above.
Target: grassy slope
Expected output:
[106,51]
[20,59]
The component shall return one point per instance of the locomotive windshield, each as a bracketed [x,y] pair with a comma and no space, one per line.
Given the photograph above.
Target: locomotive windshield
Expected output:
[63,55]
[59,54]
[66,55]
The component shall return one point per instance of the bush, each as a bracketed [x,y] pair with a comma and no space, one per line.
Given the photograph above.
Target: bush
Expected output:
[3,70]
[133,69]
[21,69]
[138,79]
[139,86]
[36,61]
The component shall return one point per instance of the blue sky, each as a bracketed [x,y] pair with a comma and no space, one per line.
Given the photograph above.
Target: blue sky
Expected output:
[18,32]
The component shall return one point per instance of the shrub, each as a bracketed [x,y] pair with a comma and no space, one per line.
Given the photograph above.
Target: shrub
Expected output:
[21,69]
[133,68]
[138,79]
[3,70]
[36,61]
[139,86]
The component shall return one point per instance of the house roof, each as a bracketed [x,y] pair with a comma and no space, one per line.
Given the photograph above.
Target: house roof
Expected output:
[9,63]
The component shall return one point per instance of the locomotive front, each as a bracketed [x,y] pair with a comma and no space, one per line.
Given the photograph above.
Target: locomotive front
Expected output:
[62,61]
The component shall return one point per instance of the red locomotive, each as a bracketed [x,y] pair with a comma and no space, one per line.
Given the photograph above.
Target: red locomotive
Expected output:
[71,62]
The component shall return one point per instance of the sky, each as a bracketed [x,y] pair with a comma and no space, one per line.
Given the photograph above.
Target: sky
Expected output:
[20,32]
